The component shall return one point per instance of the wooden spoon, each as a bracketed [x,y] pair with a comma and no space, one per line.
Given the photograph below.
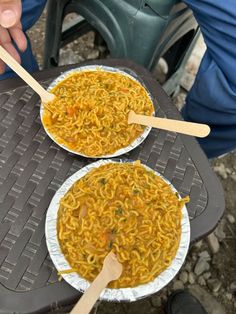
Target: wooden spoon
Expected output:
[111,270]
[189,128]
[16,67]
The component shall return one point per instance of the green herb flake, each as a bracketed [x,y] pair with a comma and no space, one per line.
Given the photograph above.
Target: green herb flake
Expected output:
[113,231]
[110,245]
[119,211]
[177,194]
[151,174]
[103,181]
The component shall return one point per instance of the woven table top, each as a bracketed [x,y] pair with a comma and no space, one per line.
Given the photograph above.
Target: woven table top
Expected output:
[32,168]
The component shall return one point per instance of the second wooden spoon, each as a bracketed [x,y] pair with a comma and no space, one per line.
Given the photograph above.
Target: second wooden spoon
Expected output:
[184,127]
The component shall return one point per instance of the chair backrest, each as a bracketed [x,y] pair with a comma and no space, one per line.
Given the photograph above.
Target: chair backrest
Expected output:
[162,7]
[126,25]
[134,29]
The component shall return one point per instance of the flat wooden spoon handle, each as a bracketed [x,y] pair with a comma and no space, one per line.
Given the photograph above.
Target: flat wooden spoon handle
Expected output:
[111,270]
[16,67]
[89,298]
[189,128]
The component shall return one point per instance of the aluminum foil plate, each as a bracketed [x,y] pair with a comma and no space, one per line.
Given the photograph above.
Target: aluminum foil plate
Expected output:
[81,284]
[125,72]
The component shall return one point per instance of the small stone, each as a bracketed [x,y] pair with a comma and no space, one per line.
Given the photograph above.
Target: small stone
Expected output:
[187,81]
[214,285]
[183,277]
[201,281]
[178,285]
[198,245]
[207,275]
[205,255]
[164,291]
[67,56]
[191,278]
[221,170]
[152,311]
[235,304]
[93,55]
[156,301]
[231,218]
[164,298]
[229,296]
[101,48]
[219,231]
[214,260]
[234,177]
[163,65]
[188,267]
[213,243]
[178,97]
[232,286]
[201,266]
[194,258]
[90,44]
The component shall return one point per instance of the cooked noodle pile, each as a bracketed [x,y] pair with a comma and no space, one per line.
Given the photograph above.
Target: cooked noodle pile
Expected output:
[124,208]
[90,113]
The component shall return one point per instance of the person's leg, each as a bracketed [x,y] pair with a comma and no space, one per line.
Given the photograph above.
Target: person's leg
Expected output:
[31,11]
[212,99]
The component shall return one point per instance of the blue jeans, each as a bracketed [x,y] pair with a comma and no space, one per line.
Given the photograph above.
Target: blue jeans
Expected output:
[212,99]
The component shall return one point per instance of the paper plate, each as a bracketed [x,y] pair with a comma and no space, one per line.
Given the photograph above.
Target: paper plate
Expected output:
[132,76]
[81,284]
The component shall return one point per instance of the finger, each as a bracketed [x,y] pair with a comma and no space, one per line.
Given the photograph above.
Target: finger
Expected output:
[19,38]
[6,42]
[4,36]
[12,50]
[10,12]
[2,67]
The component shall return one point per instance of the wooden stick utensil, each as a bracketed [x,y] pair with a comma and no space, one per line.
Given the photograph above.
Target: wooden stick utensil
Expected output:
[111,270]
[16,67]
[189,128]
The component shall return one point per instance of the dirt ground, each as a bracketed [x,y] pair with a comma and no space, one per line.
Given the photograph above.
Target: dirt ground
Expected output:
[215,286]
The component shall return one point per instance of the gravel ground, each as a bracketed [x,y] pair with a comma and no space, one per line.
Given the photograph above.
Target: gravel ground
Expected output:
[210,268]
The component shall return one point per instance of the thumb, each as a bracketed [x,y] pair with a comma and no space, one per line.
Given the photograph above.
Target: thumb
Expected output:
[10,13]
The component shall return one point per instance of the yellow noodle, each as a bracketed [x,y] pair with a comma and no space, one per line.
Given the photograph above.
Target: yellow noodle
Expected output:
[90,113]
[130,211]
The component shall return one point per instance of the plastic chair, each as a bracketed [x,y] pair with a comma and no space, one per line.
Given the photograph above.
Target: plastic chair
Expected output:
[143,31]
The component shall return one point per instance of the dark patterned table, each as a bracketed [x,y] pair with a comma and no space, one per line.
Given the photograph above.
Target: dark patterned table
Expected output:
[32,168]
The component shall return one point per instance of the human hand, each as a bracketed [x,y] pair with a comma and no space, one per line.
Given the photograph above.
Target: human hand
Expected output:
[11,29]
